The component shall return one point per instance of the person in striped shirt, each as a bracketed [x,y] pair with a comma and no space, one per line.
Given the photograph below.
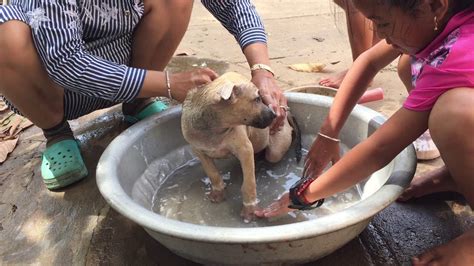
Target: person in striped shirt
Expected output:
[60,60]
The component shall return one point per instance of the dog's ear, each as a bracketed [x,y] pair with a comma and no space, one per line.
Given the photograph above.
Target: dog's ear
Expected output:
[226,90]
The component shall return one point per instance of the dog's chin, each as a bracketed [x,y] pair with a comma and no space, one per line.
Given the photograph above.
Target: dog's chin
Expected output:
[264,119]
[261,123]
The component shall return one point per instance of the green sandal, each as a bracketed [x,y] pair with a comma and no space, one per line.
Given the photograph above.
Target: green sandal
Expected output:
[62,164]
[148,110]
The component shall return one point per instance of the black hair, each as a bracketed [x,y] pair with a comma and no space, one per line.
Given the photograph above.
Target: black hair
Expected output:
[411,6]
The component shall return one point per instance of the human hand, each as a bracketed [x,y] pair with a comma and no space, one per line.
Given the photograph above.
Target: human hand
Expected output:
[277,208]
[272,96]
[182,82]
[322,152]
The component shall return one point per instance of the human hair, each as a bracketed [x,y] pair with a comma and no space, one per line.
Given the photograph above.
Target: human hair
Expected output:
[411,6]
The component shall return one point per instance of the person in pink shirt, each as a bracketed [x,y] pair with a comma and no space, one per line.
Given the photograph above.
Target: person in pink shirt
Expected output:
[436,38]
[361,38]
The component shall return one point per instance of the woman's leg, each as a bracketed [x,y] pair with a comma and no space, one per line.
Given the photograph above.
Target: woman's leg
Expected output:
[156,38]
[438,180]
[159,32]
[404,71]
[452,111]
[424,145]
[361,38]
[24,81]
[26,84]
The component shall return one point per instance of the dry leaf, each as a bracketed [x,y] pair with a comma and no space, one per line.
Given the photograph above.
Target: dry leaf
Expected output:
[3,107]
[14,125]
[25,123]
[6,147]
[308,67]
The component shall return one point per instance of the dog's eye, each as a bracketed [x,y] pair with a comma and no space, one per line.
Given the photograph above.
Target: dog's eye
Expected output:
[258,99]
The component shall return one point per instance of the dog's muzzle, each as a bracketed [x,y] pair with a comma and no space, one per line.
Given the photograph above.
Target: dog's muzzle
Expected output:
[264,119]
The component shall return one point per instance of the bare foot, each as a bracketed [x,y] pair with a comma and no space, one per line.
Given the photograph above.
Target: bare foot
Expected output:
[438,180]
[333,81]
[458,252]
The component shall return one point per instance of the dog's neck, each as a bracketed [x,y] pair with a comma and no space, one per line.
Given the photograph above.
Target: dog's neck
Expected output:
[208,121]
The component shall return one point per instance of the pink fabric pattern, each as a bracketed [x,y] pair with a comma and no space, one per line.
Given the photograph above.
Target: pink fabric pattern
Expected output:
[447,63]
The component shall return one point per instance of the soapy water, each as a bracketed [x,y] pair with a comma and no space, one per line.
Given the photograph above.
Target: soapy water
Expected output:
[182,192]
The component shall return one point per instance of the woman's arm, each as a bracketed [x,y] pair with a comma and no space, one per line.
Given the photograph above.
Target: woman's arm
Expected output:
[370,155]
[241,19]
[364,69]
[363,160]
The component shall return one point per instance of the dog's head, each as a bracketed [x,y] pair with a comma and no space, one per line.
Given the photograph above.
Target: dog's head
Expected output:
[240,104]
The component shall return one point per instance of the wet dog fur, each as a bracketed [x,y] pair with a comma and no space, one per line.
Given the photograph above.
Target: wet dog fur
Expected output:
[227,117]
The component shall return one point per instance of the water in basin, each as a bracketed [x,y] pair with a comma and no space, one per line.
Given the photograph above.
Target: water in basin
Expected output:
[181,188]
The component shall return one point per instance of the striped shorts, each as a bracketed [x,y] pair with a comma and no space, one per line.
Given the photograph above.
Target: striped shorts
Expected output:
[75,104]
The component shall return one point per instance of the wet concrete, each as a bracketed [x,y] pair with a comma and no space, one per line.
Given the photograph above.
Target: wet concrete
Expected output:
[76,226]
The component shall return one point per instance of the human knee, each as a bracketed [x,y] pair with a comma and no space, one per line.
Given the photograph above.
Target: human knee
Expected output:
[15,38]
[404,71]
[169,7]
[451,119]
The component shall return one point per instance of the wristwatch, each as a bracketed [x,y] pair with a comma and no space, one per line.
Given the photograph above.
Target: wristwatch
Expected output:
[298,201]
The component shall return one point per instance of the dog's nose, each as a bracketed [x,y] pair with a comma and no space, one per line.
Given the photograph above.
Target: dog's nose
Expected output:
[265,119]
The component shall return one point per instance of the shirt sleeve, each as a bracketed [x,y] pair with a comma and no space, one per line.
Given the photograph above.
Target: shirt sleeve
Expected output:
[240,18]
[57,34]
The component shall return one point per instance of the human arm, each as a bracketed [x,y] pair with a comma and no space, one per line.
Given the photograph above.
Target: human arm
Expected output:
[364,159]
[155,83]
[271,93]
[241,19]
[365,67]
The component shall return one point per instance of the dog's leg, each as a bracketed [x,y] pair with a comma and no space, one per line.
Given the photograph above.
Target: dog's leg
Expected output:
[279,143]
[244,152]
[217,183]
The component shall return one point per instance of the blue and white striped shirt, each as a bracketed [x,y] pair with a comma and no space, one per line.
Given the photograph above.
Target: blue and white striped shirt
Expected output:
[85,45]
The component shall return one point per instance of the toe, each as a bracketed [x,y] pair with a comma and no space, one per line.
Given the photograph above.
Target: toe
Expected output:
[406,195]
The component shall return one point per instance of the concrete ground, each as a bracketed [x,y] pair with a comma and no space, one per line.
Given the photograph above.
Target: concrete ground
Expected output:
[76,226]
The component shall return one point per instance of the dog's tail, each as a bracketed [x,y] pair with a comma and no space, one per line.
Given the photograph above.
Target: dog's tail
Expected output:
[296,135]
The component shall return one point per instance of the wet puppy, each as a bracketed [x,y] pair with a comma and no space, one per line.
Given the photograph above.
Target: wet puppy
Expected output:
[227,117]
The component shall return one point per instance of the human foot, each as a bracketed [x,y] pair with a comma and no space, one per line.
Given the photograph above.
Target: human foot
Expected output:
[438,180]
[333,81]
[425,147]
[457,252]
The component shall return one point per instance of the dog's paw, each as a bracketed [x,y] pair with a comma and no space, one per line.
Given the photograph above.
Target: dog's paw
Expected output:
[217,196]
[248,213]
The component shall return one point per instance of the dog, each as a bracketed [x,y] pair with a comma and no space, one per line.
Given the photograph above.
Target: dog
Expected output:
[227,117]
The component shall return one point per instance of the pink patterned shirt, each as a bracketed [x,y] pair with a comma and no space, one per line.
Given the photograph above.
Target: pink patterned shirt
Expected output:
[447,63]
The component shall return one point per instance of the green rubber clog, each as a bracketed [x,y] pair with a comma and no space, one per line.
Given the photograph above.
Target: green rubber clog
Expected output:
[62,164]
[150,109]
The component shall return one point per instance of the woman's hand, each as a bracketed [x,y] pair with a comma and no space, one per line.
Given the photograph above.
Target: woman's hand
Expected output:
[182,82]
[277,208]
[271,95]
[322,152]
